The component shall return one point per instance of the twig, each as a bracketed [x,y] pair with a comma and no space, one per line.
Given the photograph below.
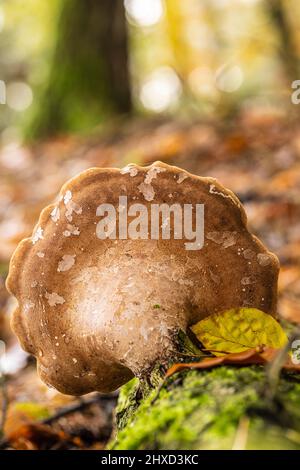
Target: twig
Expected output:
[79,406]
[241,436]
[67,410]
[274,368]
[159,388]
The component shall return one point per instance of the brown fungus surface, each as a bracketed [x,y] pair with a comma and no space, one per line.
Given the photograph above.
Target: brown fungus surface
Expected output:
[96,311]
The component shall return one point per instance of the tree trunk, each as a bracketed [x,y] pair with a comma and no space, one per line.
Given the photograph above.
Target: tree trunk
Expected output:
[89,75]
[287,48]
[223,408]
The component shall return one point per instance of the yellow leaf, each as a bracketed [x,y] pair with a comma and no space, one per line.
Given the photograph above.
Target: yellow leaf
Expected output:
[239,329]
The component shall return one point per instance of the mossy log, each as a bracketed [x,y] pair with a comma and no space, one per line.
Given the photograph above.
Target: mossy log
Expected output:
[222,408]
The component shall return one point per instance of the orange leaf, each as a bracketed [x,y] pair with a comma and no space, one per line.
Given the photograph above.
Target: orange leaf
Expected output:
[259,355]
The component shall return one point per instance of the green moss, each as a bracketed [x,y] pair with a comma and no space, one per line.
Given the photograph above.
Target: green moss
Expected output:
[127,402]
[271,437]
[35,411]
[203,409]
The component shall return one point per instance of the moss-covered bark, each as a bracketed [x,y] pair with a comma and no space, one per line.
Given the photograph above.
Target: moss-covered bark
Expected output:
[222,408]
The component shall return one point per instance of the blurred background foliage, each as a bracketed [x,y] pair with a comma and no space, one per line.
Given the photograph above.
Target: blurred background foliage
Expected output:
[194,58]
[201,84]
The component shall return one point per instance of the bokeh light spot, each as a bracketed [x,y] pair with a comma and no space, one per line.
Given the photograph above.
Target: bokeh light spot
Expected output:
[229,78]
[161,90]
[202,81]
[145,12]
[19,96]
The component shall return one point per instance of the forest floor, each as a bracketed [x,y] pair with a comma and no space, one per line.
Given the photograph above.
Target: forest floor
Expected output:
[257,155]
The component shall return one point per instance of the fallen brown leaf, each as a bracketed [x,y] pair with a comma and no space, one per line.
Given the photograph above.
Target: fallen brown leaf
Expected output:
[260,355]
[37,436]
[23,432]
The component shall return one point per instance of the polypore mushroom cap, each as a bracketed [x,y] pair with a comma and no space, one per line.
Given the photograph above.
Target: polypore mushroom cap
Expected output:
[96,311]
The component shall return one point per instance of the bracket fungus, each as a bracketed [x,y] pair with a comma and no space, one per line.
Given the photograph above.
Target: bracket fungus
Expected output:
[96,310]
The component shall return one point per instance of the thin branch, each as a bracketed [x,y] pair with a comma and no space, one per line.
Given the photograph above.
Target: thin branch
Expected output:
[274,368]
[70,409]
[241,436]
[79,406]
